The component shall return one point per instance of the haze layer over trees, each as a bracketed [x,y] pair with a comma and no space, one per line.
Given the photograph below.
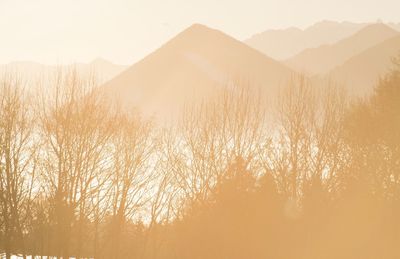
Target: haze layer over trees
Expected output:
[316,176]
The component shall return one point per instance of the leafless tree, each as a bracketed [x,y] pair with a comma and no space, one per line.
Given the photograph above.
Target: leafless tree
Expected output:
[17,161]
[134,145]
[75,129]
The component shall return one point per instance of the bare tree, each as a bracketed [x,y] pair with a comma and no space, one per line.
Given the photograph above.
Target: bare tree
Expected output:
[133,159]
[212,135]
[308,144]
[17,163]
[76,126]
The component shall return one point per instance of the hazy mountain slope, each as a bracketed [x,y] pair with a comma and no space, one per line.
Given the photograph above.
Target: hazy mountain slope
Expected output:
[395,26]
[322,59]
[192,66]
[361,72]
[283,44]
[103,70]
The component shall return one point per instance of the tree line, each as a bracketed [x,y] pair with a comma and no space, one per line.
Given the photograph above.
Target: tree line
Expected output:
[315,176]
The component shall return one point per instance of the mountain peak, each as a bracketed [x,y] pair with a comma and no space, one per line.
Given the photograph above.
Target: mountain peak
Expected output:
[100,61]
[198,29]
[199,37]
[198,26]
[376,27]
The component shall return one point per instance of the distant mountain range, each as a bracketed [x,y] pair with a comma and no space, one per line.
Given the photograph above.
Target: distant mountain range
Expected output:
[101,69]
[199,61]
[324,58]
[285,43]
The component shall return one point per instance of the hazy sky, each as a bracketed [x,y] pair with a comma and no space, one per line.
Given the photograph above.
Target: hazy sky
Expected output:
[123,31]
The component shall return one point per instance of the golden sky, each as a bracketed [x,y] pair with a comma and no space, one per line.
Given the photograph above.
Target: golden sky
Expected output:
[123,31]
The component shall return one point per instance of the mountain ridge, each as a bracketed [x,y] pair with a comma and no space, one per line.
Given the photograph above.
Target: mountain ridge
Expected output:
[282,44]
[102,69]
[363,71]
[324,58]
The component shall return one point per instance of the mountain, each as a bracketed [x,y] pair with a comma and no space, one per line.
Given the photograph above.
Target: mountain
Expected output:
[361,72]
[283,44]
[29,71]
[395,26]
[322,59]
[102,69]
[191,67]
